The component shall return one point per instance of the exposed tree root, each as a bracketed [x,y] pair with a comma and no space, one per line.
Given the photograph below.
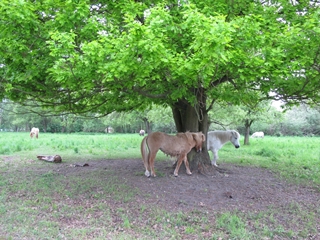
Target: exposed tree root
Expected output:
[206,169]
[222,170]
[210,170]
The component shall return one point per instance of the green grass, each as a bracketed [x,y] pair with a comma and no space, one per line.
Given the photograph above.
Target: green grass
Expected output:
[37,202]
[295,158]
[93,146]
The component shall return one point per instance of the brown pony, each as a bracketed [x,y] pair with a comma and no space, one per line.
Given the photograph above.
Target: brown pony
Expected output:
[34,132]
[176,146]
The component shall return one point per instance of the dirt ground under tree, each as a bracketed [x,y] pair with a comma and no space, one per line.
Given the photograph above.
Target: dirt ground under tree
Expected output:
[236,188]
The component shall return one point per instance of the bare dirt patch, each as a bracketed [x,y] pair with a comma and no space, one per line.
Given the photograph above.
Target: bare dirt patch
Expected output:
[242,188]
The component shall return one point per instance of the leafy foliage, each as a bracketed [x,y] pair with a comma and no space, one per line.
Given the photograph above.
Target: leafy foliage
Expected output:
[107,56]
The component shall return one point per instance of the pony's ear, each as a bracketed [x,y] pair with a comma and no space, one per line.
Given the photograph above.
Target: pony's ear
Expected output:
[235,133]
[197,135]
[193,135]
[203,137]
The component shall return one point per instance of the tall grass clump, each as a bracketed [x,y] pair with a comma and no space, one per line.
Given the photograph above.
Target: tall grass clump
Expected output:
[233,225]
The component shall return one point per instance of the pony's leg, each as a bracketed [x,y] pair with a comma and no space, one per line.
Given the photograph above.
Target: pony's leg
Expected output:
[146,165]
[215,158]
[187,165]
[151,163]
[180,159]
[145,156]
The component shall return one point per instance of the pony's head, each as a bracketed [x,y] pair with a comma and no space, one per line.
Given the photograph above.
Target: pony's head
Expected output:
[235,137]
[199,138]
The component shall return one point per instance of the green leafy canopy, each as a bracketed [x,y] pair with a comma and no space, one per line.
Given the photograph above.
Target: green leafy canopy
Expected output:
[89,56]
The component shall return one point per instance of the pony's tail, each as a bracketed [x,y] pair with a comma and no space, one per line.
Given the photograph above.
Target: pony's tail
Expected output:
[145,155]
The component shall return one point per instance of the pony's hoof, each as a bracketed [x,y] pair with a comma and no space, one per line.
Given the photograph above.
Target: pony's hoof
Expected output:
[190,173]
[147,174]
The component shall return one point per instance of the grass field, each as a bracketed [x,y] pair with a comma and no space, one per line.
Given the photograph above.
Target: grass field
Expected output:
[297,158]
[28,211]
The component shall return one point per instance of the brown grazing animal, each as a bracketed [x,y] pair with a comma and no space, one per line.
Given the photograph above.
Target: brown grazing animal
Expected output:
[34,132]
[176,146]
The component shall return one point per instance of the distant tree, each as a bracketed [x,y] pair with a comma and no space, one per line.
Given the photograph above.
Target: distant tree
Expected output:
[225,116]
[93,125]
[241,117]
[18,117]
[161,119]
[301,120]
[262,112]
[313,120]
[124,122]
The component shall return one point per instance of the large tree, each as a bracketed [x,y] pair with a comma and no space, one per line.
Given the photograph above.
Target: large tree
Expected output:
[105,56]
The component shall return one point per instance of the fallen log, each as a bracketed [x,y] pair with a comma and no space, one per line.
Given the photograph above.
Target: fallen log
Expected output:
[52,158]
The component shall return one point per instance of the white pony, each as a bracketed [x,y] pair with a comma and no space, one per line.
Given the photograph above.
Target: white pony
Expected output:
[216,140]
[34,132]
[142,132]
[258,135]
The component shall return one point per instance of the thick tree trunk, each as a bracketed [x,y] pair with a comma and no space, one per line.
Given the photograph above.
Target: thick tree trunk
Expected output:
[193,118]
